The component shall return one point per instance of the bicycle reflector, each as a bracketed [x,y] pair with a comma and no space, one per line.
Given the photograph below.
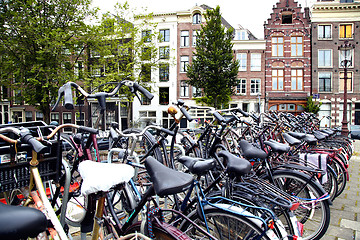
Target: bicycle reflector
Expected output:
[172,111]
[295,206]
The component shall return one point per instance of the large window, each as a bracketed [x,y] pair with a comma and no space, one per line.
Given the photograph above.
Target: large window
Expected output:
[184,62]
[146,35]
[278,79]
[164,72]
[194,38]
[184,38]
[255,86]
[324,81]
[165,35]
[197,18]
[296,46]
[241,86]
[349,81]
[277,46]
[164,96]
[255,62]
[346,1]
[67,119]
[145,73]
[184,89]
[164,52]
[242,58]
[324,32]
[324,58]
[297,80]
[345,31]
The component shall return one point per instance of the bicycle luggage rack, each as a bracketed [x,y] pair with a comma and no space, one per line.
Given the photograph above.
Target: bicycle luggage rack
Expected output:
[14,161]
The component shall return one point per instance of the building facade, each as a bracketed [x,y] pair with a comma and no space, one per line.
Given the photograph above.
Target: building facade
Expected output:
[287,57]
[334,23]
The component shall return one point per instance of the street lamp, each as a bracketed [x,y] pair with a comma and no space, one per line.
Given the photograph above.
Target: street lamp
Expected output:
[345,50]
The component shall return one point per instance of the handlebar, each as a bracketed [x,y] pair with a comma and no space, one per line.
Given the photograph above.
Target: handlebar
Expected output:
[25,137]
[66,91]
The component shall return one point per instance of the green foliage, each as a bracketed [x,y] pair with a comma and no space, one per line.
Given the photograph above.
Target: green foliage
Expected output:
[214,69]
[311,106]
[37,38]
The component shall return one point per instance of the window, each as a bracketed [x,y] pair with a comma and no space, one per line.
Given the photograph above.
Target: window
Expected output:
[324,32]
[242,57]
[195,36]
[197,18]
[245,107]
[145,73]
[4,93]
[240,35]
[196,92]
[345,31]
[54,117]
[278,79]
[297,80]
[349,81]
[277,46]
[39,116]
[146,54]
[17,97]
[165,35]
[164,52]
[17,116]
[184,62]
[325,58]
[286,18]
[80,118]
[184,39]
[255,86]
[346,54]
[255,62]
[346,1]
[164,96]
[146,35]
[67,119]
[296,46]
[164,72]
[28,116]
[184,89]
[241,86]
[324,81]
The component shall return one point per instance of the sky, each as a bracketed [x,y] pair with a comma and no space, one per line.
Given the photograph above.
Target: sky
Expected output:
[250,14]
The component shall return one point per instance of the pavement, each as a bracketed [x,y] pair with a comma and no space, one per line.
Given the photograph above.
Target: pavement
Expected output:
[345,211]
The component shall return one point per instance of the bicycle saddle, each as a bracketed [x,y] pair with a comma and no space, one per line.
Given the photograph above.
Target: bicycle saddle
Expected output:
[310,139]
[17,222]
[103,176]
[291,140]
[166,181]
[319,135]
[327,131]
[277,147]
[297,135]
[235,164]
[250,151]
[198,166]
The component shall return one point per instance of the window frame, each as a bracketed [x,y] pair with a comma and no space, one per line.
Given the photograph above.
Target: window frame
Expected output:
[324,88]
[184,39]
[184,64]
[164,37]
[164,72]
[184,89]
[331,58]
[324,38]
[296,45]
[341,81]
[276,45]
[196,18]
[241,86]
[352,30]
[242,68]
[164,52]
[297,78]
[277,77]
[255,83]
[254,67]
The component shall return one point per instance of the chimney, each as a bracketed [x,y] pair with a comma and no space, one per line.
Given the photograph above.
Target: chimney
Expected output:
[307,13]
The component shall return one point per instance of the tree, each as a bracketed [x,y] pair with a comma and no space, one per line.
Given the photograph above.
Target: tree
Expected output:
[214,69]
[40,41]
[311,106]
[123,51]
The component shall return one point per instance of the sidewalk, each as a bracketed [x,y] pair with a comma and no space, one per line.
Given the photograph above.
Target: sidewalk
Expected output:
[345,211]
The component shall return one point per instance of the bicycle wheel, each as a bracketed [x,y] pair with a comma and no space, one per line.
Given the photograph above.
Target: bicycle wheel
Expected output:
[224,225]
[331,185]
[315,216]
[341,174]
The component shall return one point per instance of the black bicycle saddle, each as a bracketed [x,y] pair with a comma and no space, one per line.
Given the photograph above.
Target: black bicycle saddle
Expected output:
[197,166]
[166,181]
[235,164]
[17,222]
[251,152]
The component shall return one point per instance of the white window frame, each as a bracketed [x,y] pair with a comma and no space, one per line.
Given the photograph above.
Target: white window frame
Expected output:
[331,58]
[324,38]
[255,62]
[242,57]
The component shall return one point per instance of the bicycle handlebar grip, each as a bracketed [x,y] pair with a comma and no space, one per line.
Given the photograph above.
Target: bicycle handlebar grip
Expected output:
[26,137]
[88,130]
[68,98]
[186,114]
[245,114]
[144,91]
[218,117]
[113,134]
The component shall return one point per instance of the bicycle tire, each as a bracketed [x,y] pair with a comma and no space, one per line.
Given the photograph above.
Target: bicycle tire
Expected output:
[241,227]
[293,181]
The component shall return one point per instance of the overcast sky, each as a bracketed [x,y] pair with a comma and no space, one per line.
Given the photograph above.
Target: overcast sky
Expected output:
[250,14]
